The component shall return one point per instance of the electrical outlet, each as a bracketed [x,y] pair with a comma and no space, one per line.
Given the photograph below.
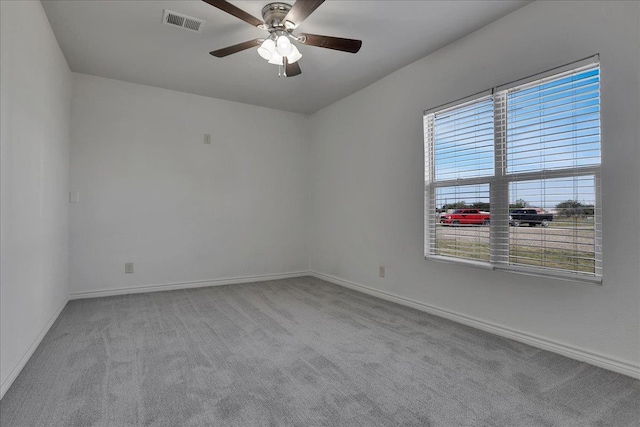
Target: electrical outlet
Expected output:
[128,267]
[207,138]
[381,271]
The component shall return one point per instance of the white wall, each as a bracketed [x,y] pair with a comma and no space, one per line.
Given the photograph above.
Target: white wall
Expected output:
[367,180]
[152,193]
[35,91]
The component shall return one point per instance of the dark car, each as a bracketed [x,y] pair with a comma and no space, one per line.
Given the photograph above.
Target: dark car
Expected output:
[532,217]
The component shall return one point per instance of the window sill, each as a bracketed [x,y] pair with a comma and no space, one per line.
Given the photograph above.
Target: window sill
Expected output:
[449,260]
[567,277]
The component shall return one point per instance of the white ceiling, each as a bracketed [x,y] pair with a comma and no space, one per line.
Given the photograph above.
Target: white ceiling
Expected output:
[125,40]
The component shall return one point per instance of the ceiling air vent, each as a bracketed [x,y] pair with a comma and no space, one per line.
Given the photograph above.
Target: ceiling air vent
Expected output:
[184,21]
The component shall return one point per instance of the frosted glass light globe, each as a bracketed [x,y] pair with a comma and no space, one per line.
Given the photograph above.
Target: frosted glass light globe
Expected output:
[284,46]
[276,59]
[267,49]
[294,56]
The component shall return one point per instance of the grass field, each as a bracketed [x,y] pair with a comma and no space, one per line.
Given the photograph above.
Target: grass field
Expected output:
[572,222]
[543,257]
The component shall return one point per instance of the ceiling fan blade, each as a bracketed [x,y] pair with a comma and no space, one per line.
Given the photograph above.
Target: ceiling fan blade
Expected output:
[291,70]
[226,51]
[235,11]
[301,10]
[335,43]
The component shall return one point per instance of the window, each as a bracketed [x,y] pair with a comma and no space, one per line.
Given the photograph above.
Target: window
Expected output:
[513,176]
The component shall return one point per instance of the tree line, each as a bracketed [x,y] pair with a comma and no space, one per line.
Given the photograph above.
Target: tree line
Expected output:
[566,208]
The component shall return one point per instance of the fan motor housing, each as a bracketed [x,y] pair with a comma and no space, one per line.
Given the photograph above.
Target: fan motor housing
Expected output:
[273,14]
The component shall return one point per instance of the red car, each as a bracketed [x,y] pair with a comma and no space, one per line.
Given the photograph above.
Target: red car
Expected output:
[466,217]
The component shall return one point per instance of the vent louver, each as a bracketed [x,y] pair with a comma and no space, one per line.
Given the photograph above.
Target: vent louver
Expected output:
[183,21]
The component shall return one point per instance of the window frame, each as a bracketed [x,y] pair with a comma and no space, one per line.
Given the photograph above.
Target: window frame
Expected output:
[500,181]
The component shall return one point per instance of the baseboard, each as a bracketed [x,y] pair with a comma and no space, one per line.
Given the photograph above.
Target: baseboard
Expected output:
[13,374]
[572,352]
[185,285]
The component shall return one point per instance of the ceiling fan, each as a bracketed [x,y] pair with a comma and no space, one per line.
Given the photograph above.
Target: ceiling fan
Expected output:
[281,20]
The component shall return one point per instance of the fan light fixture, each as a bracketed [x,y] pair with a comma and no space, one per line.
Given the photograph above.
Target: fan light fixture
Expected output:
[280,20]
[294,55]
[275,51]
[267,49]
[284,45]
[276,59]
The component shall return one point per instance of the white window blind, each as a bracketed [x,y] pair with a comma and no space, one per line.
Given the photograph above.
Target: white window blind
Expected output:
[466,237]
[527,158]
[554,123]
[463,141]
[461,149]
[568,243]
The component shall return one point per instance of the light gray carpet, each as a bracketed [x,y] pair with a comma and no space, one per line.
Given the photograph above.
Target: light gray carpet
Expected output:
[297,352]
